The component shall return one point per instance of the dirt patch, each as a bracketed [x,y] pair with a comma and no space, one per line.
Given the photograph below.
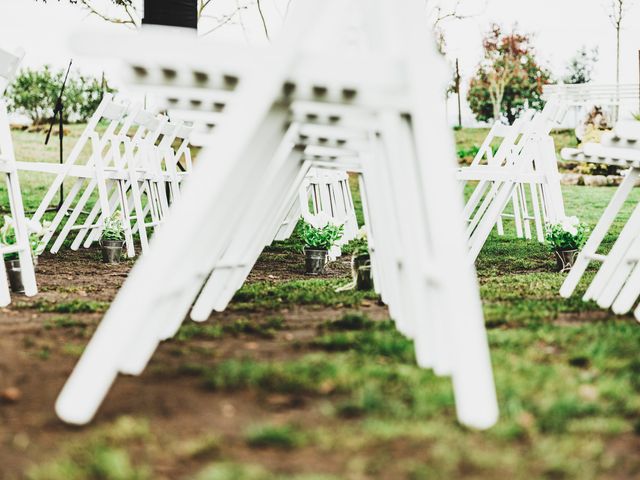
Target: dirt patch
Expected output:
[578,318]
[38,349]
[290,266]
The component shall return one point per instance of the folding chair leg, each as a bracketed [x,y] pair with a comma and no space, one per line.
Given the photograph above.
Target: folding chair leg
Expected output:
[598,233]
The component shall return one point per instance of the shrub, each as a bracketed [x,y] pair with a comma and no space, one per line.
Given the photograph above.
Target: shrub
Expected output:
[113,229]
[568,234]
[321,238]
[34,94]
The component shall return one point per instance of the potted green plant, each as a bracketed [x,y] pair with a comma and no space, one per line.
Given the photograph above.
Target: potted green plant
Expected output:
[565,239]
[12,260]
[318,241]
[361,262]
[112,239]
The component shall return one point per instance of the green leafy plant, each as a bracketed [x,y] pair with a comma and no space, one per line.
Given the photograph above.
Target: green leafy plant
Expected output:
[509,79]
[321,238]
[36,233]
[34,94]
[569,234]
[113,229]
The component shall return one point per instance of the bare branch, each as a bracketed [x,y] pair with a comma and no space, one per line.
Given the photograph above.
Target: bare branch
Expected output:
[264,22]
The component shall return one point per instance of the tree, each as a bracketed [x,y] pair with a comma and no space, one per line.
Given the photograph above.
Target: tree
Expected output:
[509,78]
[580,67]
[128,12]
[34,94]
[617,12]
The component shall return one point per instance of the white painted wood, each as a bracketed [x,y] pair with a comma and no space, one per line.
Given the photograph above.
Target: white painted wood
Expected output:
[250,173]
[9,63]
[616,285]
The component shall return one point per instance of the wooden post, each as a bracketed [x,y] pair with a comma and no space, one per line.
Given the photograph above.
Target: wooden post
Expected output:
[459,94]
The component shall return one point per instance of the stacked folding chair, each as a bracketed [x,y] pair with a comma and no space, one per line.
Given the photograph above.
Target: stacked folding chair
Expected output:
[325,193]
[382,116]
[325,196]
[9,63]
[521,174]
[617,283]
[131,168]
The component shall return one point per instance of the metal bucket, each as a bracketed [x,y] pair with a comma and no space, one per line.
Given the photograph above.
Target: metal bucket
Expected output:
[111,250]
[362,267]
[565,259]
[14,272]
[315,261]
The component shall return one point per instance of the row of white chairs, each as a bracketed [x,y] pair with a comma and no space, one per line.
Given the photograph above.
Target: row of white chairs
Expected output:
[132,160]
[9,63]
[616,285]
[318,97]
[325,197]
[521,175]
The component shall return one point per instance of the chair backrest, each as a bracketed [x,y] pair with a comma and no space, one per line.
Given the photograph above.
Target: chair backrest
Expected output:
[9,63]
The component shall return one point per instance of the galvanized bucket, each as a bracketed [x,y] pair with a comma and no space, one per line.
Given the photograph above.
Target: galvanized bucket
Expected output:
[565,259]
[111,250]
[315,261]
[14,272]
[362,267]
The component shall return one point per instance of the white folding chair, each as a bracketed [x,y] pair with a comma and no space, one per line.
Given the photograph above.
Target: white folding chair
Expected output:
[388,99]
[9,63]
[617,283]
[526,158]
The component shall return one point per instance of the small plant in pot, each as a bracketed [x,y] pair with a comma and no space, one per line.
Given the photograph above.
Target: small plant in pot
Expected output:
[565,239]
[361,262]
[361,277]
[112,239]
[12,260]
[318,241]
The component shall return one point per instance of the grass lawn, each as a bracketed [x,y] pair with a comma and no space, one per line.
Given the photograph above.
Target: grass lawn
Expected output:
[297,382]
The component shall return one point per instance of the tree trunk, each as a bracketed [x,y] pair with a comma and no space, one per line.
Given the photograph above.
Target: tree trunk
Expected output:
[172,13]
[616,110]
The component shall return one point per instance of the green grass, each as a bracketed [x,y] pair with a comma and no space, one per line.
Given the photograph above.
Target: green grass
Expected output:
[567,377]
[269,295]
[103,454]
[263,329]
[285,437]
[71,306]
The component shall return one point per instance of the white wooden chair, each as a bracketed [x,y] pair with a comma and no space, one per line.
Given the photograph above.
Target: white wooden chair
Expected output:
[507,135]
[9,63]
[132,168]
[524,169]
[389,101]
[325,195]
[617,283]
[88,174]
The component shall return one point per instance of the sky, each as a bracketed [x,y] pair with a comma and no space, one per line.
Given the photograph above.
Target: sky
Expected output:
[560,28]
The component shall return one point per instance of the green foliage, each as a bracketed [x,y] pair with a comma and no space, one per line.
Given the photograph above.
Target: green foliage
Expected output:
[508,80]
[34,94]
[569,234]
[285,437]
[113,228]
[350,321]
[580,67]
[269,295]
[8,236]
[321,238]
[103,455]
[468,153]
[263,329]
[71,306]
